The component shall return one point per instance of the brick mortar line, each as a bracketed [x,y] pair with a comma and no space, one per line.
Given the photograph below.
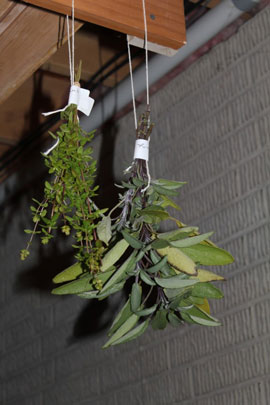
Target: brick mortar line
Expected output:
[218,142]
[228,204]
[192,363]
[244,231]
[232,167]
[247,267]
[236,200]
[184,365]
[209,115]
[213,55]
[165,339]
[145,380]
[228,388]
[214,79]
[224,138]
[229,275]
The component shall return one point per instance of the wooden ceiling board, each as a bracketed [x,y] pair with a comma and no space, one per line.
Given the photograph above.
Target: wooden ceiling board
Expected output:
[94,48]
[21,113]
[28,37]
[165,18]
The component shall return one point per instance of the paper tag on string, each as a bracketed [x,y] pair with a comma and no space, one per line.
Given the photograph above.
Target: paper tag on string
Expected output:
[80,97]
[141,150]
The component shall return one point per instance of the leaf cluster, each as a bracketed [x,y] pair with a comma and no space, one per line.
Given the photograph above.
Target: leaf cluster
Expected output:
[170,286]
[68,197]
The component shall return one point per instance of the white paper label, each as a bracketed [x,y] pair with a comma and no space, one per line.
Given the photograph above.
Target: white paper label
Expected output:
[141,149]
[77,96]
[81,98]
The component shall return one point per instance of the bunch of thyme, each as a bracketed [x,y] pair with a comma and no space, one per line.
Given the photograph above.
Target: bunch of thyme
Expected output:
[68,197]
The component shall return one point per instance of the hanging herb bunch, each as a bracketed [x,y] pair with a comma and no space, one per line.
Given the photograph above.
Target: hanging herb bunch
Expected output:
[68,204]
[168,284]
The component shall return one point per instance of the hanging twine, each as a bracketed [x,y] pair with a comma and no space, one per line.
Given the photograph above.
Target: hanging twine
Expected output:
[140,147]
[77,95]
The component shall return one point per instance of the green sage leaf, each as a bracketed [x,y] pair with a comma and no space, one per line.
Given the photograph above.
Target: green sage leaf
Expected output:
[114,254]
[174,282]
[165,191]
[190,241]
[169,184]
[104,230]
[132,241]
[205,276]
[146,279]
[69,274]
[114,289]
[208,255]
[206,290]
[158,266]
[157,215]
[178,233]
[159,244]
[160,320]
[135,298]
[167,202]
[147,311]
[138,182]
[121,317]
[116,277]
[204,322]
[89,294]
[178,260]
[122,330]
[75,287]
[133,334]
[173,319]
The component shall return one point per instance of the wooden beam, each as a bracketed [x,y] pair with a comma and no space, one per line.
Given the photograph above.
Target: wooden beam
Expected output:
[28,37]
[165,18]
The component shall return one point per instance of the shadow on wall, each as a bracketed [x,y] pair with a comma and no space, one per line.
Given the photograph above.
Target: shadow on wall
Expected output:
[13,202]
[96,315]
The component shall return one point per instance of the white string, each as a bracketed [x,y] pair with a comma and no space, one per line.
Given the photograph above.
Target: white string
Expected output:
[146,69]
[146,52]
[71,69]
[148,177]
[147,85]
[72,37]
[69,53]
[48,151]
[71,47]
[132,85]
[147,90]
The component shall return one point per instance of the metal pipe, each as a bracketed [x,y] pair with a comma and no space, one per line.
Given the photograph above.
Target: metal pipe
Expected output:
[198,34]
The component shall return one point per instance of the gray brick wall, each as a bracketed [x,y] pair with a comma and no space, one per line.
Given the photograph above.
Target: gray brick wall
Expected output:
[212,130]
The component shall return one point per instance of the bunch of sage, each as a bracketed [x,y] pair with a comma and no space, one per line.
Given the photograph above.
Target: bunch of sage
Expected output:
[169,286]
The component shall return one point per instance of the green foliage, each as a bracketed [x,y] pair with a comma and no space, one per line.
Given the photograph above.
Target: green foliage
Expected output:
[166,285]
[162,266]
[67,204]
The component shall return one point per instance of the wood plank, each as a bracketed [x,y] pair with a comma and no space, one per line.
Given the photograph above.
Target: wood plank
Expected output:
[11,14]
[165,18]
[101,44]
[26,42]
[5,6]
[211,4]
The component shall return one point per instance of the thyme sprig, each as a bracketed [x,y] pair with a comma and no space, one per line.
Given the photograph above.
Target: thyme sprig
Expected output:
[68,197]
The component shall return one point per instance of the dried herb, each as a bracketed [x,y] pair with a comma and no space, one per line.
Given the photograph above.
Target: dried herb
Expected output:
[68,197]
[169,286]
